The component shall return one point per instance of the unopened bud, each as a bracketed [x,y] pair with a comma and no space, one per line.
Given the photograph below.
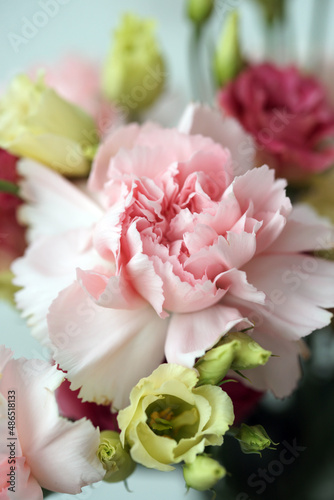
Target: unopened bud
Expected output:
[249,355]
[199,10]
[114,458]
[253,439]
[214,365]
[203,473]
[228,61]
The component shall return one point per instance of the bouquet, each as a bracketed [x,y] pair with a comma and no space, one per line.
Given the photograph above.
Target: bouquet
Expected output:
[170,272]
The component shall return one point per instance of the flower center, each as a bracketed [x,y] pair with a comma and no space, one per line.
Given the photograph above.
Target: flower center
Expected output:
[172,418]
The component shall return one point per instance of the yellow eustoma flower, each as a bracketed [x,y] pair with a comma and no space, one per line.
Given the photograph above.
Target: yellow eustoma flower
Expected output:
[35,122]
[170,420]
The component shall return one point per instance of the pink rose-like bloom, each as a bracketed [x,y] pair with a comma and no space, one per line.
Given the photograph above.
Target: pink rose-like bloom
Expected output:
[78,80]
[170,251]
[46,450]
[289,116]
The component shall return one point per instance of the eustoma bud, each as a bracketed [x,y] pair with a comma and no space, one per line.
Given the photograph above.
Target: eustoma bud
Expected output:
[115,460]
[235,351]
[253,439]
[228,60]
[199,10]
[203,473]
[134,72]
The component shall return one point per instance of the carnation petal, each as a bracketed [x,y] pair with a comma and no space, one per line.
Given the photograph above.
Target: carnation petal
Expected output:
[98,346]
[190,335]
[44,189]
[44,435]
[48,266]
[297,288]
[198,119]
[314,232]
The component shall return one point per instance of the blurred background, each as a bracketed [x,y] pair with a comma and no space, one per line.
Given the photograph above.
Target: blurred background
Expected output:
[302,465]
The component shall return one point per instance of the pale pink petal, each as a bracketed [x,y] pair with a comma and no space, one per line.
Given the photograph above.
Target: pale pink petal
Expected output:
[142,273]
[182,296]
[104,351]
[26,486]
[5,355]
[190,335]
[314,232]
[123,137]
[48,266]
[292,309]
[259,187]
[114,292]
[44,189]
[60,454]
[198,119]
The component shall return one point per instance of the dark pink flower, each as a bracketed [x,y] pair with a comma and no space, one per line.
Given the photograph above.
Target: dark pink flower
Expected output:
[72,407]
[12,240]
[288,115]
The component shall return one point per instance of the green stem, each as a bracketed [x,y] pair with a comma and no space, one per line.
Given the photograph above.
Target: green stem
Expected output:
[194,60]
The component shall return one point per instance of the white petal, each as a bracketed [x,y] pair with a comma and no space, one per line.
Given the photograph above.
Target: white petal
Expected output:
[53,203]
[104,351]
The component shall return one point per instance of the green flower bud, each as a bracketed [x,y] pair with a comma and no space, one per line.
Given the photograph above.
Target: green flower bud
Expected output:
[228,61]
[214,365]
[253,439]
[134,72]
[199,10]
[249,355]
[203,473]
[115,460]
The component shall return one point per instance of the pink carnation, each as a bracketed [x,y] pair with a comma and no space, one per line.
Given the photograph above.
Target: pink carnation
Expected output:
[38,448]
[289,116]
[166,251]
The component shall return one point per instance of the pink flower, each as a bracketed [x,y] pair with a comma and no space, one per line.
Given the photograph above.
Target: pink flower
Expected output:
[289,116]
[70,406]
[11,232]
[165,251]
[37,447]
[78,80]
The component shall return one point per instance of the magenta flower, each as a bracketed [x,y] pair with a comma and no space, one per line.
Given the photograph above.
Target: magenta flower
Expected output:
[288,115]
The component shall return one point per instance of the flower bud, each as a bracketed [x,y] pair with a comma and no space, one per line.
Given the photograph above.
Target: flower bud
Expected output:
[203,473]
[253,439]
[35,122]
[134,72]
[199,10]
[115,460]
[228,61]
[249,355]
[214,365]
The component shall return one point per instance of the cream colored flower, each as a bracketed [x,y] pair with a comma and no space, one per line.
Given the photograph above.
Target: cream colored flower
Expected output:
[170,420]
[35,122]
